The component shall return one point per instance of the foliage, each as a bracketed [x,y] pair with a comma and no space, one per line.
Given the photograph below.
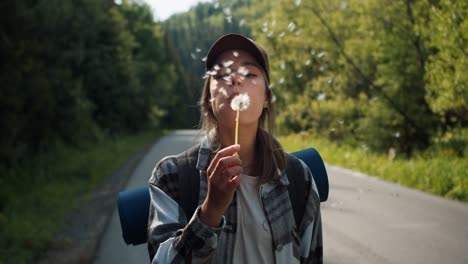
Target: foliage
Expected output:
[71,68]
[434,172]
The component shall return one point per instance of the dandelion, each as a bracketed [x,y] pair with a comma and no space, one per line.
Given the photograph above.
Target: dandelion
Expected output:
[239,103]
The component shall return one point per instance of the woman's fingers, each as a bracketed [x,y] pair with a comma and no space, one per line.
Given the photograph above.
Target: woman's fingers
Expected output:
[225,152]
[227,167]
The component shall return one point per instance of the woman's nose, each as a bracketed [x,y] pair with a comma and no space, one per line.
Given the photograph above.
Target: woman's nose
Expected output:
[236,79]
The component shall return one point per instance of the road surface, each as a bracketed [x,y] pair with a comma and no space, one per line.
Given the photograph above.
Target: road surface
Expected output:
[365,220]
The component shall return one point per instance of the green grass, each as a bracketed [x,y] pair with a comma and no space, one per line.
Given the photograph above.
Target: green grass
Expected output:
[36,197]
[435,173]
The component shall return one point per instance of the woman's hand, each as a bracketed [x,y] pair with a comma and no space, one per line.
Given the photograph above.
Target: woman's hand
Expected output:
[223,179]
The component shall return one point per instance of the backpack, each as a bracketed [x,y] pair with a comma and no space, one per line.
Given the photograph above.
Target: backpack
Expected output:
[190,183]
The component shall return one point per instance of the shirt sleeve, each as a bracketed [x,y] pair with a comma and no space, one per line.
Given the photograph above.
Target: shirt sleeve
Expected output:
[171,238]
[311,226]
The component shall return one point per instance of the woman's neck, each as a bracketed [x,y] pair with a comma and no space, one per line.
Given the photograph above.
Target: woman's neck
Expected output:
[247,140]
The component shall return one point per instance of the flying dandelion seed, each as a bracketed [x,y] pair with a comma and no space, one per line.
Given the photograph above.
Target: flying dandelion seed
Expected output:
[307,62]
[216,67]
[227,63]
[221,106]
[223,92]
[264,29]
[243,71]
[228,79]
[206,75]
[281,81]
[216,5]
[332,129]
[322,68]
[193,55]
[240,102]
[298,33]
[241,22]
[283,66]
[227,11]
[312,52]
[343,5]
[340,122]
[235,53]
[271,86]
[273,22]
[198,50]
[397,135]
[299,75]
[291,27]
[321,54]
[254,82]
[229,19]
[297,2]
[212,100]
[330,81]
[204,58]
[273,98]
[321,97]
[228,70]
[281,35]
[270,34]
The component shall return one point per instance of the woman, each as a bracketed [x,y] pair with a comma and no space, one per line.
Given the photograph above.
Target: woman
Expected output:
[244,213]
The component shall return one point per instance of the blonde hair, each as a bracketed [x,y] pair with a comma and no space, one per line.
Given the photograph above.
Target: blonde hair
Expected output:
[270,154]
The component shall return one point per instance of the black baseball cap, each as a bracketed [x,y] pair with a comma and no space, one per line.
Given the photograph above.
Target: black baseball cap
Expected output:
[237,41]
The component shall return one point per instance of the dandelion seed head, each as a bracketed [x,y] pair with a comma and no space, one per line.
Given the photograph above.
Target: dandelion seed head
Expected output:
[240,102]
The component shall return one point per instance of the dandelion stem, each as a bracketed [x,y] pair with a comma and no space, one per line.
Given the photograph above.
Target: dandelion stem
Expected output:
[237,130]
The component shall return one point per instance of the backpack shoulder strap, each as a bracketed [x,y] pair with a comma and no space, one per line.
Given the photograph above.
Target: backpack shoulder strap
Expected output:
[296,188]
[189,180]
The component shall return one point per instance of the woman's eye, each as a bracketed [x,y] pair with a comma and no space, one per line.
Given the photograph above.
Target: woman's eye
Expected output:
[250,75]
[220,76]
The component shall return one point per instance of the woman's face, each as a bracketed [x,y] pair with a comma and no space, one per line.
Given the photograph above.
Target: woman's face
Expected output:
[236,72]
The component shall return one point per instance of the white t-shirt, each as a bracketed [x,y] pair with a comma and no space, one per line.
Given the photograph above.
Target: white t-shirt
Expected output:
[253,240]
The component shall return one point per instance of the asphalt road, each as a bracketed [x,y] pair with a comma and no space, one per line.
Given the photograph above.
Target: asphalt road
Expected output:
[365,220]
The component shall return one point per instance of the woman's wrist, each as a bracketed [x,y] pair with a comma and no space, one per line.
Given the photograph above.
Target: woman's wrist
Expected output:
[210,217]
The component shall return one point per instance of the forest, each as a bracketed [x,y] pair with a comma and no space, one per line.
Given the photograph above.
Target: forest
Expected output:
[380,76]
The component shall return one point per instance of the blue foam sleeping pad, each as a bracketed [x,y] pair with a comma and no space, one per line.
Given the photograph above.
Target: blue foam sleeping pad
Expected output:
[133,205]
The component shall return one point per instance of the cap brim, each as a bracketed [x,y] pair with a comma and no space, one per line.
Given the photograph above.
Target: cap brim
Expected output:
[231,42]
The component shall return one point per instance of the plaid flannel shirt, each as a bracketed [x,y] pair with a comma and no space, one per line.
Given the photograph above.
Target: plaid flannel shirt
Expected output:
[175,239]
